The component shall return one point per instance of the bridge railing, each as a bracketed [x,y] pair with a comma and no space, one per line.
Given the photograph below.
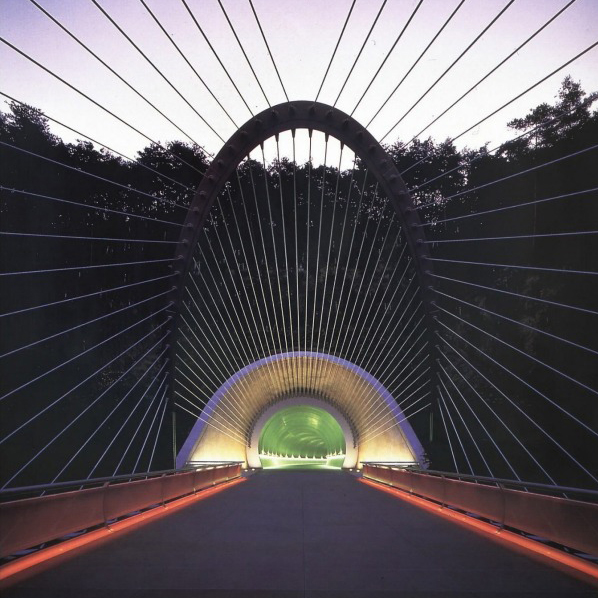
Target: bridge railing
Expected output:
[29,522]
[508,503]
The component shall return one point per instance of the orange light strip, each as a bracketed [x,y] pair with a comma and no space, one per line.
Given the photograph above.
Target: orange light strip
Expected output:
[46,554]
[557,558]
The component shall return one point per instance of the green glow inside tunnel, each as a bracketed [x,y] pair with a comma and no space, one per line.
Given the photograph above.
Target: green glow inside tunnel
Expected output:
[302,436]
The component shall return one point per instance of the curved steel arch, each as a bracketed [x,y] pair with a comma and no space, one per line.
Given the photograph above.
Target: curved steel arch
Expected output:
[290,116]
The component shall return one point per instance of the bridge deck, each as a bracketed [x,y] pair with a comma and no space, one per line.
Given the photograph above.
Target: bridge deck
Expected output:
[300,533]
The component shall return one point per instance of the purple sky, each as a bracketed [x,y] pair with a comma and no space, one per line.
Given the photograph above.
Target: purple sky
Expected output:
[302,35]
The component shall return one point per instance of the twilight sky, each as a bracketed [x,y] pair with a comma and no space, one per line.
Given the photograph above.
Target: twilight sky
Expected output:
[302,35]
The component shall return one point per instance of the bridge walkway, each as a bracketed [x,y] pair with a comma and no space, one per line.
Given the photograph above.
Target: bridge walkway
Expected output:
[291,534]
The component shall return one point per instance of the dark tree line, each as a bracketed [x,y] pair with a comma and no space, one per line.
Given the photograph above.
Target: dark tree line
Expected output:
[136,188]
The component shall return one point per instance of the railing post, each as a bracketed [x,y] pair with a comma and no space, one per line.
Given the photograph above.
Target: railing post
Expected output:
[162,478]
[104,487]
[504,504]
[443,502]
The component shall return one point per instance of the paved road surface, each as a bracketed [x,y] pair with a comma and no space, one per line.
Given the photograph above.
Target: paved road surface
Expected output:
[290,534]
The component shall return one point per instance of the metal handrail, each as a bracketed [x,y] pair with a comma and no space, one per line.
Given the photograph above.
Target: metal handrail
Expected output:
[490,480]
[389,463]
[195,464]
[29,522]
[42,488]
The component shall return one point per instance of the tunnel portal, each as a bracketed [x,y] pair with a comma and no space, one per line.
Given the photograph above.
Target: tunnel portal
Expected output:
[302,437]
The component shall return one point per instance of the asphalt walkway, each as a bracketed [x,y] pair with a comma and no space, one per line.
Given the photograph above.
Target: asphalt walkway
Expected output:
[290,534]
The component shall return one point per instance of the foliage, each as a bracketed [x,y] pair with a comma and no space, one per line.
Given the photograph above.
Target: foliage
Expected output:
[110,204]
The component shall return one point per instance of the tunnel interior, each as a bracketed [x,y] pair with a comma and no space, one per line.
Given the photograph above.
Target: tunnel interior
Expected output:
[302,437]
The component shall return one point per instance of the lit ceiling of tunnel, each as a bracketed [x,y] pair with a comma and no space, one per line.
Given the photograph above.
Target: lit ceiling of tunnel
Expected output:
[302,431]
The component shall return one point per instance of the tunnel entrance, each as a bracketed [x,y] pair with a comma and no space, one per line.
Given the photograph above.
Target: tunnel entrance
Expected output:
[273,391]
[302,437]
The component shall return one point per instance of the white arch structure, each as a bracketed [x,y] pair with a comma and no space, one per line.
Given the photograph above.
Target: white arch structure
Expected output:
[303,378]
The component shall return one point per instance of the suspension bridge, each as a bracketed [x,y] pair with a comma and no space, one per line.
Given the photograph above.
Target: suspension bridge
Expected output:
[298,358]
